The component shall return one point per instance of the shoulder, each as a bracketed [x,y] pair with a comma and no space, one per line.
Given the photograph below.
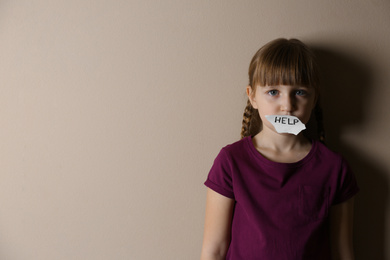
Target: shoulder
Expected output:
[327,154]
[326,159]
[226,167]
[332,160]
[236,152]
[240,146]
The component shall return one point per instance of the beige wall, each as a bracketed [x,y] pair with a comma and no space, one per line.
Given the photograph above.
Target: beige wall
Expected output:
[112,112]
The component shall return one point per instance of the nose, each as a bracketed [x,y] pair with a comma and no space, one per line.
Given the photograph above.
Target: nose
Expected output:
[287,104]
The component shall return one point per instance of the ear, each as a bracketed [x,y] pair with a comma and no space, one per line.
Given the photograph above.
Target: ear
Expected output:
[251,96]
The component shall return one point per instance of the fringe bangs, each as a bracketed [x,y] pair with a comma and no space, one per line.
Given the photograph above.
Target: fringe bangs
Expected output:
[285,62]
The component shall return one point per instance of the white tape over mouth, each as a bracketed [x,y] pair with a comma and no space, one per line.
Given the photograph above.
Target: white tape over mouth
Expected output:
[286,124]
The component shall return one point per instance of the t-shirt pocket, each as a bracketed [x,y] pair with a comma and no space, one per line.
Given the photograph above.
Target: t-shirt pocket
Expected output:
[313,202]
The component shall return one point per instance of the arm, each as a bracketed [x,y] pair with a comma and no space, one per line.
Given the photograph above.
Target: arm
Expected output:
[341,226]
[217,227]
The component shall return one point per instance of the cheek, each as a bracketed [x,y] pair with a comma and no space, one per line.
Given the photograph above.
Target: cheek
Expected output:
[264,110]
[308,105]
[313,101]
[306,116]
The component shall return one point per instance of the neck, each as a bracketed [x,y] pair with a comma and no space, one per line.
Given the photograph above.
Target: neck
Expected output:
[280,142]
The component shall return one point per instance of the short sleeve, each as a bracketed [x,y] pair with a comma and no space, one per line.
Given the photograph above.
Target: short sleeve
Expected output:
[347,186]
[219,178]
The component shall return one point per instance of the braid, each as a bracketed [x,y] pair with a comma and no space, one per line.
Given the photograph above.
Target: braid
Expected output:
[319,119]
[251,121]
[246,121]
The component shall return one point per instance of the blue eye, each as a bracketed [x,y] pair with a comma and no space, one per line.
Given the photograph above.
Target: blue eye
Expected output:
[300,92]
[273,92]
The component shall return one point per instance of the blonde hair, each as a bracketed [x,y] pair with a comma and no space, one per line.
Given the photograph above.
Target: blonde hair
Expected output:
[279,62]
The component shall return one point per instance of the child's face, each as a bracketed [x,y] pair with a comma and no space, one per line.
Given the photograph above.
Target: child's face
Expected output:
[283,100]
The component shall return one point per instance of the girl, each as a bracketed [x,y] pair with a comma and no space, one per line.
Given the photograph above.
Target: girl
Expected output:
[279,196]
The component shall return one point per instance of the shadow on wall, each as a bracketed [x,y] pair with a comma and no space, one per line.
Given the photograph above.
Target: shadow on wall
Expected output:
[346,85]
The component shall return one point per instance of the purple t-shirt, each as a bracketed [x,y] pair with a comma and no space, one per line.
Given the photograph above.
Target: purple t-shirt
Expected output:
[281,209]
